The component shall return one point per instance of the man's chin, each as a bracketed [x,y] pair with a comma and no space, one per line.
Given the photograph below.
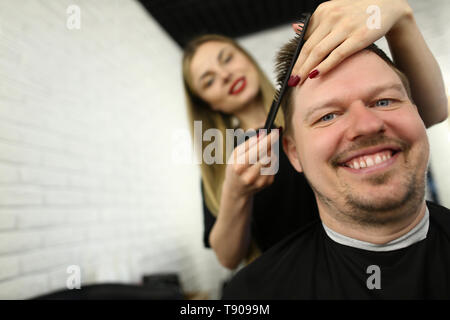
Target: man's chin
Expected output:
[378,202]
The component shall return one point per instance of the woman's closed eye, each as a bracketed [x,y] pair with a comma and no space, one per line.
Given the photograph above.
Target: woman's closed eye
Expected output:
[208,82]
[228,58]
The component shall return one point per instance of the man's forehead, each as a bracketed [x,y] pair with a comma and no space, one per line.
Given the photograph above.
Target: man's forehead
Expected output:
[359,74]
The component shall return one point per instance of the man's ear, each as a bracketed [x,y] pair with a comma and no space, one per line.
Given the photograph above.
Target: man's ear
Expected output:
[290,149]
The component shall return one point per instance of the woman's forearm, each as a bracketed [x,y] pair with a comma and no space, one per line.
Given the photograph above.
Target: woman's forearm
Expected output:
[412,56]
[230,235]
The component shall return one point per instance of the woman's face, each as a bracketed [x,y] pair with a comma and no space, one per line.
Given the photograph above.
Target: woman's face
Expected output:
[223,76]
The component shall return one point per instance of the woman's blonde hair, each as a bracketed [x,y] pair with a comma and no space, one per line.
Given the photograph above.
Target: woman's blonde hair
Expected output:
[198,110]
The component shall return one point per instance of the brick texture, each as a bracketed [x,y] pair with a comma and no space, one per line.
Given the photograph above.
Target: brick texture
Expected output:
[85,171]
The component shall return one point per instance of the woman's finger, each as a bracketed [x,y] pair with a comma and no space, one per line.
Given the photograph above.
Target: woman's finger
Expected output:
[269,160]
[321,32]
[237,157]
[263,146]
[312,25]
[248,155]
[271,139]
[297,27]
[320,51]
[243,147]
[259,149]
[346,49]
[264,181]
[253,173]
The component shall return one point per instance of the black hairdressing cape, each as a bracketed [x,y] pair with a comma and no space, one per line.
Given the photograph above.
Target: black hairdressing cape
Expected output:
[309,265]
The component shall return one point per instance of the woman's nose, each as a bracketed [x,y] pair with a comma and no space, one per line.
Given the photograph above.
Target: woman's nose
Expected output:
[226,75]
[364,121]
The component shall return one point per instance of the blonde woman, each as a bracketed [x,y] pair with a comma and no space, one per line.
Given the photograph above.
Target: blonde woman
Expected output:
[246,212]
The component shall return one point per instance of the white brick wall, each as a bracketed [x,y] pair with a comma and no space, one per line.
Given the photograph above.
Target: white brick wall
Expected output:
[85,173]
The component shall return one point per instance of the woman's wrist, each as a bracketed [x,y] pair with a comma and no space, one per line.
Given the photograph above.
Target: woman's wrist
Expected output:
[404,23]
[234,194]
[238,199]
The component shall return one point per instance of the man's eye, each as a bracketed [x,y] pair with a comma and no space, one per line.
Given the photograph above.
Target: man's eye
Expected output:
[383,103]
[328,117]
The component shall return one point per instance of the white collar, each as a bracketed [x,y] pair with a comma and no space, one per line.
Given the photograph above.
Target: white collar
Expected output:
[418,233]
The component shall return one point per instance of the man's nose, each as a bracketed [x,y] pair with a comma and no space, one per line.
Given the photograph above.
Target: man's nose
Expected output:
[364,121]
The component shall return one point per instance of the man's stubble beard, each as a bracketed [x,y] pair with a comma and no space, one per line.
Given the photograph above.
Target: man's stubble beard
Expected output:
[381,212]
[361,210]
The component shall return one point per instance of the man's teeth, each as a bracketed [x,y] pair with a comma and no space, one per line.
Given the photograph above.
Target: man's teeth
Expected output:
[369,161]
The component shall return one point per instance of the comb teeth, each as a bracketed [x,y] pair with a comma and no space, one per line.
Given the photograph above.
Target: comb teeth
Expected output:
[277,94]
[284,59]
[303,17]
[287,52]
[283,67]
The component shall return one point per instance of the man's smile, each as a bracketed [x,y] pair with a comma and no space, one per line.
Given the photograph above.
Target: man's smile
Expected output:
[370,160]
[371,163]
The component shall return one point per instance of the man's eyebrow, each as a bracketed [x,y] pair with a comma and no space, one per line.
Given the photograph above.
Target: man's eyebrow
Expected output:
[219,58]
[371,93]
[324,105]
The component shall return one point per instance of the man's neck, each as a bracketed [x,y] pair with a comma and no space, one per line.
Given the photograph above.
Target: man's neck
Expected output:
[379,234]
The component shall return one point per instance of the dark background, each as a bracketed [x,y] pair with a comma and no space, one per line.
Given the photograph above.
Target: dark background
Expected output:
[185,19]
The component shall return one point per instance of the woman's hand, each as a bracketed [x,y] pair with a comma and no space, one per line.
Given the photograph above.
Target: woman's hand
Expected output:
[243,175]
[231,234]
[339,28]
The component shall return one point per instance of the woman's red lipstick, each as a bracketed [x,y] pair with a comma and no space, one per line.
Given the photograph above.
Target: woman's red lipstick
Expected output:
[238,85]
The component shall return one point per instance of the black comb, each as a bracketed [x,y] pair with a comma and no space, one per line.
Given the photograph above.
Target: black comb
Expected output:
[280,92]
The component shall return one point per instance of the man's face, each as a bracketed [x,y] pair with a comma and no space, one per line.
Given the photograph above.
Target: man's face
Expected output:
[359,140]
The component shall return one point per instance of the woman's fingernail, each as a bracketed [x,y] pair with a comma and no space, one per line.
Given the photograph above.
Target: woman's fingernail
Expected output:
[313,74]
[293,81]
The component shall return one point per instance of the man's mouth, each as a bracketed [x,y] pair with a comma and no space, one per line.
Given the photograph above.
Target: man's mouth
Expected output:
[238,85]
[371,159]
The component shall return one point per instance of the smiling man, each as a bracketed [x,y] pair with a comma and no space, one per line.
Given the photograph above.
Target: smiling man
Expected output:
[358,138]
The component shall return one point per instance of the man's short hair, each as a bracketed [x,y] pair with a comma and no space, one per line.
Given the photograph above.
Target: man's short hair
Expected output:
[282,66]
